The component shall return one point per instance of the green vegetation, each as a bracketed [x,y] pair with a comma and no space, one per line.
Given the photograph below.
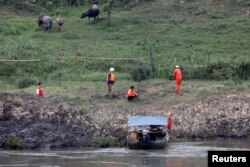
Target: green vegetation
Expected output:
[104,142]
[12,142]
[25,83]
[209,40]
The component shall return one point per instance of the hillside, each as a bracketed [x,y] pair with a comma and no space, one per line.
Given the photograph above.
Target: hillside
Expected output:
[163,33]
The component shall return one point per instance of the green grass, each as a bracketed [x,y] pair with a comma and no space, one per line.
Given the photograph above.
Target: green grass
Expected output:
[172,31]
[83,94]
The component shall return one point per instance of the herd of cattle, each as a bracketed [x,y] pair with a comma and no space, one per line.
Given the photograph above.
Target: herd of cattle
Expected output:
[45,22]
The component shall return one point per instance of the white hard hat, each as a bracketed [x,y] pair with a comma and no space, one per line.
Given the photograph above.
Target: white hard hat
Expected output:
[111,69]
[176,66]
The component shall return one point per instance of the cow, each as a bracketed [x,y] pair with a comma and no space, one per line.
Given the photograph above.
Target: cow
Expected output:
[44,21]
[47,23]
[93,11]
[40,19]
[59,22]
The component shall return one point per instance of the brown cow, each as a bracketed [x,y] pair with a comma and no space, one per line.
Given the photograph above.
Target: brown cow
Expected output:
[60,22]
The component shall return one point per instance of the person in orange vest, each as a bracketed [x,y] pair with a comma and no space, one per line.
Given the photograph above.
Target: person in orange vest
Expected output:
[110,81]
[131,94]
[39,90]
[178,77]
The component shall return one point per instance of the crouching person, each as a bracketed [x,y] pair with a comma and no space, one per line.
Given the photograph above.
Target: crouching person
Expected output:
[131,94]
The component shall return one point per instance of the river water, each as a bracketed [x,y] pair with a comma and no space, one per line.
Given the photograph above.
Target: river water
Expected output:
[176,154]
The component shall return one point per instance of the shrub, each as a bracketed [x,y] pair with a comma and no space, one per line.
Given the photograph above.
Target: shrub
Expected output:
[12,142]
[140,73]
[6,69]
[104,142]
[25,83]
[243,70]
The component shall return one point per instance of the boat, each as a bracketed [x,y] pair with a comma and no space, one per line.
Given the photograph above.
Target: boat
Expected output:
[147,132]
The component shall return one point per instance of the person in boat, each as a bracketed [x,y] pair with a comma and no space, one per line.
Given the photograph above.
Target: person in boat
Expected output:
[153,128]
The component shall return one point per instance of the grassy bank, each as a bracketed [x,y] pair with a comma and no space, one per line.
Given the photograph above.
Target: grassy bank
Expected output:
[84,94]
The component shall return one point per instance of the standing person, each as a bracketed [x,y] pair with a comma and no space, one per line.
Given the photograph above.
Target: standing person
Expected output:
[170,120]
[39,90]
[110,81]
[178,77]
[131,94]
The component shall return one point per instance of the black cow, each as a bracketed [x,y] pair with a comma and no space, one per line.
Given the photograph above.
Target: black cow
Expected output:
[40,19]
[93,11]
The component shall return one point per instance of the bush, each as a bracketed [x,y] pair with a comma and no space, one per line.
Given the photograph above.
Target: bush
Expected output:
[140,73]
[219,71]
[12,142]
[6,69]
[25,83]
[104,142]
[243,70]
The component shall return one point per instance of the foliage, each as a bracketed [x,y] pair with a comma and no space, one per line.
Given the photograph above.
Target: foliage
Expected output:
[141,73]
[6,69]
[12,142]
[25,83]
[104,142]
[243,70]
[220,71]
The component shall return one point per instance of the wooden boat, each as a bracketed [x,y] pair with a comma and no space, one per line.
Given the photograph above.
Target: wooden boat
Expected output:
[147,132]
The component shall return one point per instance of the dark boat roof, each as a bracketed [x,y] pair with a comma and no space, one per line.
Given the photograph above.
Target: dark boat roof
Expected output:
[146,120]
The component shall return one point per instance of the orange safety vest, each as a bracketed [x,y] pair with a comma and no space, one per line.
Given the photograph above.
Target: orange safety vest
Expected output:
[177,74]
[131,92]
[112,77]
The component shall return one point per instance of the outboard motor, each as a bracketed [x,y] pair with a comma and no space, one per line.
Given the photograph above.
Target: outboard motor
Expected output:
[145,139]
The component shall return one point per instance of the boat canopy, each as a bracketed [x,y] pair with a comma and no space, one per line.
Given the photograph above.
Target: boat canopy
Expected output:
[146,120]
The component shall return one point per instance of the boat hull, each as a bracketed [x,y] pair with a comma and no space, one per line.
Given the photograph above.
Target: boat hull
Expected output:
[158,144]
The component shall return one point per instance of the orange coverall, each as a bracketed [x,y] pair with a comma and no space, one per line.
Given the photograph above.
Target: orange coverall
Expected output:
[178,77]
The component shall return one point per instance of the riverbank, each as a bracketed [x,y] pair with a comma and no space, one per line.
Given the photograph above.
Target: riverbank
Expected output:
[69,121]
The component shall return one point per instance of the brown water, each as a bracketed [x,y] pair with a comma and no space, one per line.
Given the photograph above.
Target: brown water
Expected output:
[177,154]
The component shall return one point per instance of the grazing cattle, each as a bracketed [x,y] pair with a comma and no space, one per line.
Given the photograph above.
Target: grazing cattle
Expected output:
[44,21]
[59,22]
[47,23]
[40,19]
[93,11]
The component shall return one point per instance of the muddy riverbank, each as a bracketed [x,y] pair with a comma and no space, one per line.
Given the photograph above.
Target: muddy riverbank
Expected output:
[48,122]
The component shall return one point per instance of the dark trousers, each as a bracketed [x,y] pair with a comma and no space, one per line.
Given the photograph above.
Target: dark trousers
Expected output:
[131,98]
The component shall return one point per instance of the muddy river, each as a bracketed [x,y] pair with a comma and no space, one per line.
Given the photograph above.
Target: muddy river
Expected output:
[176,154]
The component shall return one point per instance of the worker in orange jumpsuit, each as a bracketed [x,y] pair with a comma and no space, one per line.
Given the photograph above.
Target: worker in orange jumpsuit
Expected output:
[178,77]
[110,81]
[170,120]
[131,94]
[39,90]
